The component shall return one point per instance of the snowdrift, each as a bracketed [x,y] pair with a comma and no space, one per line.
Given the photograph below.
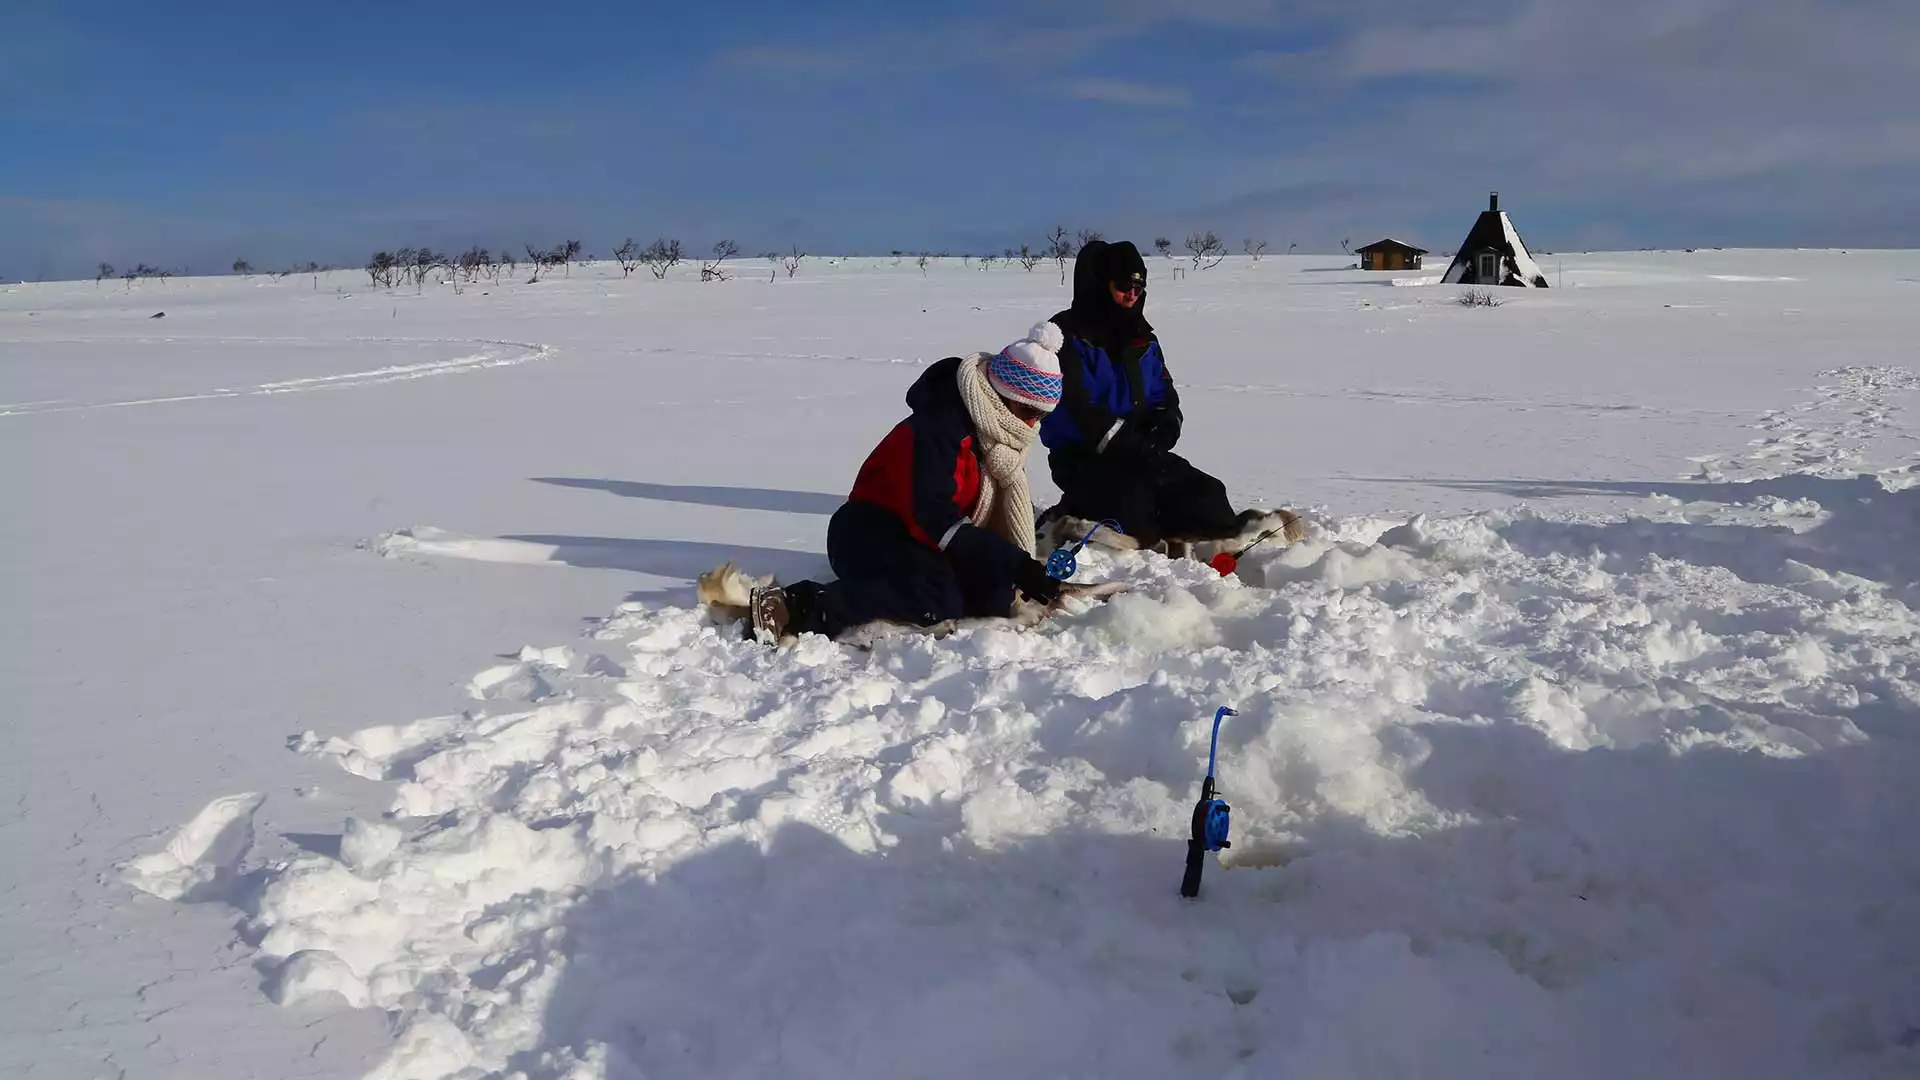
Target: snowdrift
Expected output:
[1515,795]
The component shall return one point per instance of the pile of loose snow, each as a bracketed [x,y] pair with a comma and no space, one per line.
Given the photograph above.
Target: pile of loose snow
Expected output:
[1513,795]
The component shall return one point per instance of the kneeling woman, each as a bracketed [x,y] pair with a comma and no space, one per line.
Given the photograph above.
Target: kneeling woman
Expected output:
[939,524]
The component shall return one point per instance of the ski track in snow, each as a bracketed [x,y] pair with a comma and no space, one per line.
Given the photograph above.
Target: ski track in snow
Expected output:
[1513,795]
[1427,397]
[491,356]
[1829,434]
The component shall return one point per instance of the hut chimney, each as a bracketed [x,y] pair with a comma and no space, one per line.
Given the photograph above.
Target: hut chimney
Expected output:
[1493,202]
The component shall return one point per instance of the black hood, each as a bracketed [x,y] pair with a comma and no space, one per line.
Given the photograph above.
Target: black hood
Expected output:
[937,388]
[1094,315]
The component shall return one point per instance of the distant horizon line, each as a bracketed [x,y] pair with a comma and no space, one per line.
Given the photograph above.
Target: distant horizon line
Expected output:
[736,261]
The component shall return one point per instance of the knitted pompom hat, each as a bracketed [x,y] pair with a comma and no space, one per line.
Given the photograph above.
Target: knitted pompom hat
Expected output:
[1028,371]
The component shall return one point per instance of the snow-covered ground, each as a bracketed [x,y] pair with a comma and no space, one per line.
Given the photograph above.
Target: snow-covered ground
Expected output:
[359,723]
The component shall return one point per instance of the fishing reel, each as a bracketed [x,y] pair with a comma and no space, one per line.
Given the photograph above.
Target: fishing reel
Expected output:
[1064,561]
[1216,818]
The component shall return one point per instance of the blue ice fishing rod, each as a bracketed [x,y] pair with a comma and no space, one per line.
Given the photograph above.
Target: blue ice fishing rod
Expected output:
[1063,562]
[1210,818]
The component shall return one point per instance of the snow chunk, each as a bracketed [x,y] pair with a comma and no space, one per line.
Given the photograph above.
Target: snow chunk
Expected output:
[312,974]
[201,859]
[365,845]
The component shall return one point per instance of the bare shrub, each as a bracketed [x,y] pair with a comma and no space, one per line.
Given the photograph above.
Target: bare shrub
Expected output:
[710,270]
[1206,247]
[474,263]
[1478,298]
[661,256]
[383,268]
[1253,247]
[539,259]
[1059,248]
[628,253]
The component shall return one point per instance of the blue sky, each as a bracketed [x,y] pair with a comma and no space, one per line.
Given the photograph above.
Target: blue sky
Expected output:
[192,133]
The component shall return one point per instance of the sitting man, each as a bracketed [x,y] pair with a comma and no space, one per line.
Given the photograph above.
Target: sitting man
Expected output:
[1110,444]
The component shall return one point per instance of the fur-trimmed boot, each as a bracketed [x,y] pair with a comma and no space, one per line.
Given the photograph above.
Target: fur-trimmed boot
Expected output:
[768,615]
[777,614]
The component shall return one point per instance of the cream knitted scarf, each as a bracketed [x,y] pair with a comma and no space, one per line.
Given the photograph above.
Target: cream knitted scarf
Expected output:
[1005,504]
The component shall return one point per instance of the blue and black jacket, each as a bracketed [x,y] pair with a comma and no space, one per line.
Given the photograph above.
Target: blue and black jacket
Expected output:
[1112,368]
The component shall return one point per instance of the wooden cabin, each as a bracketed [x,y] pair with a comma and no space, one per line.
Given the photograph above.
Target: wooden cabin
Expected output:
[1389,254]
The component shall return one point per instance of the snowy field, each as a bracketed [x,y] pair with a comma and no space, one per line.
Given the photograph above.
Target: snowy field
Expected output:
[359,723]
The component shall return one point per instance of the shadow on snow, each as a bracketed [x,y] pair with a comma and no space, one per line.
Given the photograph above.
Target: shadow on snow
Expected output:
[1742,896]
[735,498]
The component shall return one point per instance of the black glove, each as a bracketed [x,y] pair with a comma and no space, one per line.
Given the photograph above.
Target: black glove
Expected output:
[1130,442]
[1031,577]
[1163,428]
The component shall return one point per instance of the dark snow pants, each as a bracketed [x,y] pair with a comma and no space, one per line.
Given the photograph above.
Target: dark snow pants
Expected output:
[1153,497]
[884,573]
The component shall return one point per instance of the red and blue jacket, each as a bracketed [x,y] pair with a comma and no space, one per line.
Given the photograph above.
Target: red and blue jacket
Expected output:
[926,472]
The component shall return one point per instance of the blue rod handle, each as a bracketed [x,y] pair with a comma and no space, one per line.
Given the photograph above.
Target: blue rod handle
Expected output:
[1214,746]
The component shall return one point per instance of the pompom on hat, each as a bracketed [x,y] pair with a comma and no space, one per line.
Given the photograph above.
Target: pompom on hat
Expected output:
[1028,371]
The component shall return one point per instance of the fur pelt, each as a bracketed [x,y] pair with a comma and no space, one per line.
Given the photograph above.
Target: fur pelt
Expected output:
[1062,531]
[727,591]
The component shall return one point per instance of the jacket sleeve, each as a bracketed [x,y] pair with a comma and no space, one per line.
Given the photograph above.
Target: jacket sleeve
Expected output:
[1096,422]
[1169,394]
[987,551]
[936,454]
[936,450]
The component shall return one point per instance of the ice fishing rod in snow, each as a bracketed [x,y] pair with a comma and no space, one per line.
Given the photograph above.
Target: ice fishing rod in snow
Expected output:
[1063,562]
[1227,562]
[1210,817]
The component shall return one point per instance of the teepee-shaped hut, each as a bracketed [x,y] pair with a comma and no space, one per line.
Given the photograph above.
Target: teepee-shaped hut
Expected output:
[1492,254]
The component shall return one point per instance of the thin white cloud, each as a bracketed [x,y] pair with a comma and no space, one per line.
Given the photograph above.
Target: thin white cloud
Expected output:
[1650,109]
[1123,92]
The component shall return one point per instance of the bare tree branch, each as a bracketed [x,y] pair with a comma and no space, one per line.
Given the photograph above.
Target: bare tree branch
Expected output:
[1060,249]
[1206,246]
[629,255]
[661,256]
[710,270]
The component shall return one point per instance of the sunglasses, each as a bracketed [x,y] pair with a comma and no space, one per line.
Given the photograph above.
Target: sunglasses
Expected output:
[1137,285]
[1026,412]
